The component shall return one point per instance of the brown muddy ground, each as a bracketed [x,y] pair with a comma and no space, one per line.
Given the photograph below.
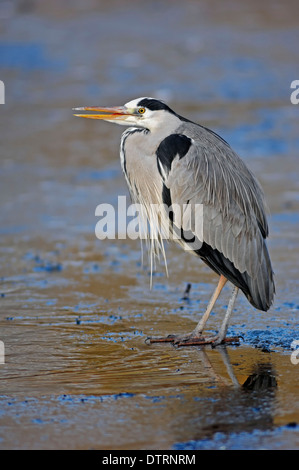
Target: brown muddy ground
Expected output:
[75,311]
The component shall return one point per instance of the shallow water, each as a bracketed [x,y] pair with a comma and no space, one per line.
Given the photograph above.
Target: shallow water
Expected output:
[75,311]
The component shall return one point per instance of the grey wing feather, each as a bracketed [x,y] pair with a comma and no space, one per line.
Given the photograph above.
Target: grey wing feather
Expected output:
[234,213]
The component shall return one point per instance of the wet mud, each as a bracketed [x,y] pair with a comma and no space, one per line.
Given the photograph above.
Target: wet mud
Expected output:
[75,311]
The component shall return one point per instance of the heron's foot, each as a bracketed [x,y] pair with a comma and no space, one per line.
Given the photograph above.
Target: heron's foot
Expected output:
[214,341]
[194,340]
[166,339]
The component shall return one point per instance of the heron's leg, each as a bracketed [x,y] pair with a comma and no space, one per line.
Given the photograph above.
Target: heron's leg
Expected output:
[223,329]
[201,324]
[196,338]
[196,334]
[221,336]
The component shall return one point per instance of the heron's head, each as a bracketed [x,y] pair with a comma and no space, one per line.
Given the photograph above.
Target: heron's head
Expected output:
[148,113]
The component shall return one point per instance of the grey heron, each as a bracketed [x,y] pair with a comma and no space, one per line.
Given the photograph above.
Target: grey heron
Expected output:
[168,159]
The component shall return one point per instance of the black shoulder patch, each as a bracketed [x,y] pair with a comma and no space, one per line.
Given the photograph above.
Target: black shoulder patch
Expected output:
[169,148]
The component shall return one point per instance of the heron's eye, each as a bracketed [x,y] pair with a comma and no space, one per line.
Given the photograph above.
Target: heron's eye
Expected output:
[141,110]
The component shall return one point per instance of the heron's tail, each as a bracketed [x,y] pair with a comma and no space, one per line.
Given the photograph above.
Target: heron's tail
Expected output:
[260,290]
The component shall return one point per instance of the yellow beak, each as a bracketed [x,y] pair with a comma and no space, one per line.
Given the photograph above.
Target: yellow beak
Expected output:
[113,113]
